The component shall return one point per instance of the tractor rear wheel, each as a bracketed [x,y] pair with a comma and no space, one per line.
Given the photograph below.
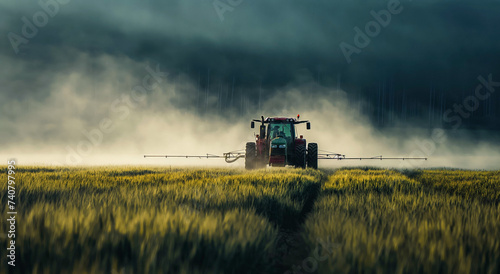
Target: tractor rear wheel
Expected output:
[312,155]
[300,155]
[250,155]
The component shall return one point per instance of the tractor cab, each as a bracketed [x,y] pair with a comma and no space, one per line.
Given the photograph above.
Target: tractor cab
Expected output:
[281,129]
[280,137]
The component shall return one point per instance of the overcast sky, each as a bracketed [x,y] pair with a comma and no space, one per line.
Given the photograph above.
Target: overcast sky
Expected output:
[64,65]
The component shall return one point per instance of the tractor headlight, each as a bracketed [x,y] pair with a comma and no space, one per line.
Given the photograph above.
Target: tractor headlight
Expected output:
[274,146]
[282,146]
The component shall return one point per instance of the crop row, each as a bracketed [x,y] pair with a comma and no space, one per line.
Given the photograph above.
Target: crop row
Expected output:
[154,220]
[383,221]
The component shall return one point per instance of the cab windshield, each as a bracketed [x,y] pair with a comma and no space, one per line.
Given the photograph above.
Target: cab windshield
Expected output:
[283,130]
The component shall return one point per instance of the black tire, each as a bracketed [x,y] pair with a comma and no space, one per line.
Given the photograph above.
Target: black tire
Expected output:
[300,156]
[250,155]
[312,155]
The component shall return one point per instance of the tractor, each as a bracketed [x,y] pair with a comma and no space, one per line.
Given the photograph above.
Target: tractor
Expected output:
[278,144]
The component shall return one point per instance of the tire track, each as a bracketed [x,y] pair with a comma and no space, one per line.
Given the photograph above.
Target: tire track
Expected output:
[289,247]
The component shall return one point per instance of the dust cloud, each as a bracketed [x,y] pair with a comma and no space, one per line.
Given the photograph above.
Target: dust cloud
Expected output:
[103,112]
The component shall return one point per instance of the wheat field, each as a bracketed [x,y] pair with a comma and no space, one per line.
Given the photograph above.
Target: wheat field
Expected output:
[192,220]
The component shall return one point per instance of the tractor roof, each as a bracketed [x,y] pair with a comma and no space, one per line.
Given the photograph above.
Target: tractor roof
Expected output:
[280,119]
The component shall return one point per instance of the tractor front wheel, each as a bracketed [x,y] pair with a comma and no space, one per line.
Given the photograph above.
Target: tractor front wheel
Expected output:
[312,155]
[250,155]
[300,156]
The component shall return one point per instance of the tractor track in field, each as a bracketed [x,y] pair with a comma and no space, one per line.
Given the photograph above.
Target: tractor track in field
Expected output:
[289,248]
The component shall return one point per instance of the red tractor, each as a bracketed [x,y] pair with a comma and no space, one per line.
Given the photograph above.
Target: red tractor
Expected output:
[278,144]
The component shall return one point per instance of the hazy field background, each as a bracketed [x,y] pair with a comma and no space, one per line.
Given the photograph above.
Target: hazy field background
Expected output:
[180,220]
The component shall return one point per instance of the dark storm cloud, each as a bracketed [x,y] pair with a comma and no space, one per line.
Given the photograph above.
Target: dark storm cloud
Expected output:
[442,43]
[427,41]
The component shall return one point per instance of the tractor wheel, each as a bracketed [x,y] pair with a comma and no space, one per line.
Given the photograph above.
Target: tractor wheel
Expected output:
[300,156]
[312,155]
[250,155]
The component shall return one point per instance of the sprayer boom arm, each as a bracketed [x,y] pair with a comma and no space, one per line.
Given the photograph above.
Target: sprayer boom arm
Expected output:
[229,157]
[337,156]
